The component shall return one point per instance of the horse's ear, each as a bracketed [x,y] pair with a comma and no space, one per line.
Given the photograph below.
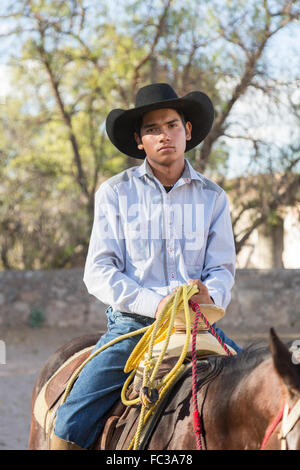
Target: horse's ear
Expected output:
[287,368]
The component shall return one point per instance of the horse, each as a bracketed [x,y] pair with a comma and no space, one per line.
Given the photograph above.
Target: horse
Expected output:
[248,401]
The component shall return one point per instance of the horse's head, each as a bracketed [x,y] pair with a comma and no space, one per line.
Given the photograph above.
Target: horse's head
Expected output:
[287,366]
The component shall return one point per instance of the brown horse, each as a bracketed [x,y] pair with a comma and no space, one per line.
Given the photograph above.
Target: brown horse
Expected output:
[240,400]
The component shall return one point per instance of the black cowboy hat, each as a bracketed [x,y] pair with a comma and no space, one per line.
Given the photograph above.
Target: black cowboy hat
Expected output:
[195,106]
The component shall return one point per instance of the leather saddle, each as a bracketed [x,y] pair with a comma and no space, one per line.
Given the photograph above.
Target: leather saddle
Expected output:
[121,420]
[50,395]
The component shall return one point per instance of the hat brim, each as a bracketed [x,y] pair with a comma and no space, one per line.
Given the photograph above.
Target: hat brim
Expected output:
[196,107]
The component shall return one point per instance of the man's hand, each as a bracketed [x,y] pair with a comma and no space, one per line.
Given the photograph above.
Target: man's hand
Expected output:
[202,297]
[162,304]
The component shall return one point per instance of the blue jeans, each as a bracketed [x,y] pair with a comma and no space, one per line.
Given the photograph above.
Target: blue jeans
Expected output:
[81,418]
[227,340]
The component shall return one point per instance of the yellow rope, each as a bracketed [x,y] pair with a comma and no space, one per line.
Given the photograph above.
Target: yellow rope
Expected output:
[160,330]
[165,319]
[107,345]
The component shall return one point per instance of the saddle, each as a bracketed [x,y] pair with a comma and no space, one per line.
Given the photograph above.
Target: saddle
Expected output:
[121,425]
[121,420]
[50,395]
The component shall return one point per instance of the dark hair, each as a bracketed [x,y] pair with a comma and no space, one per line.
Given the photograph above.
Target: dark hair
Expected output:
[138,122]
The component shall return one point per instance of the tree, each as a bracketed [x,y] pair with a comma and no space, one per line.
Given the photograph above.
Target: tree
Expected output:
[262,198]
[77,61]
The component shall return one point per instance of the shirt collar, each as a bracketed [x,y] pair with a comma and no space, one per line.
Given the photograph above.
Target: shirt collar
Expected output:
[188,172]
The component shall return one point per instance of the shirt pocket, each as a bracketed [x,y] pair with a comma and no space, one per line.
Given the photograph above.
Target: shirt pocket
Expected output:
[192,247]
[138,246]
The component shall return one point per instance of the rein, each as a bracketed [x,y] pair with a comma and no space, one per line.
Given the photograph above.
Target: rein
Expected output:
[196,415]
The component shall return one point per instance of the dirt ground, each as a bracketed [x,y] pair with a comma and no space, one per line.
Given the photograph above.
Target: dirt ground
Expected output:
[27,349]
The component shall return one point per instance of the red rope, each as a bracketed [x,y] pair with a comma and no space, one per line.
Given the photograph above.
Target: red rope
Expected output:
[196,414]
[196,309]
[271,428]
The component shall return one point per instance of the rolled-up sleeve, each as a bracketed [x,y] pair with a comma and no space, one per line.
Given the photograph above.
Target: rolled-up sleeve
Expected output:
[104,274]
[219,263]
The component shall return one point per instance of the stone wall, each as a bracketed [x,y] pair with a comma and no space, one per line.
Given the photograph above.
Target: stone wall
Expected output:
[260,299]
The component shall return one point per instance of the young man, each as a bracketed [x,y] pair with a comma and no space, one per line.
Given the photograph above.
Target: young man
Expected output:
[156,226]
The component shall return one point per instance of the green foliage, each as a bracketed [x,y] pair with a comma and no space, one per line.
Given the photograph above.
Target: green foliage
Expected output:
[81,59]
[37,318]
[274,218]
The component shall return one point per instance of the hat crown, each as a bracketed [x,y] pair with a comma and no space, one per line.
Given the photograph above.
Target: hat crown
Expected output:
[154,93]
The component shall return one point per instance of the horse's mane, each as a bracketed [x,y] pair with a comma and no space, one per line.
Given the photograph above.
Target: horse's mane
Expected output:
[247,360]
[232,369]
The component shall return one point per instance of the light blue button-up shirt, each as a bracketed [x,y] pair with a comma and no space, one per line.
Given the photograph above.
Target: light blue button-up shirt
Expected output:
[146,241]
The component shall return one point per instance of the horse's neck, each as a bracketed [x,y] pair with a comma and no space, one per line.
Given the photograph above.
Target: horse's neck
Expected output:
[265,389]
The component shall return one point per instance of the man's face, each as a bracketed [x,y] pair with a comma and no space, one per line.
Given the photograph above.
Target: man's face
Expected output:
[163,136]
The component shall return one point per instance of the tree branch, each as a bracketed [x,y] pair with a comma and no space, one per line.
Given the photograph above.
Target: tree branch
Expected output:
[240,89]
[159,30]
[81,178]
